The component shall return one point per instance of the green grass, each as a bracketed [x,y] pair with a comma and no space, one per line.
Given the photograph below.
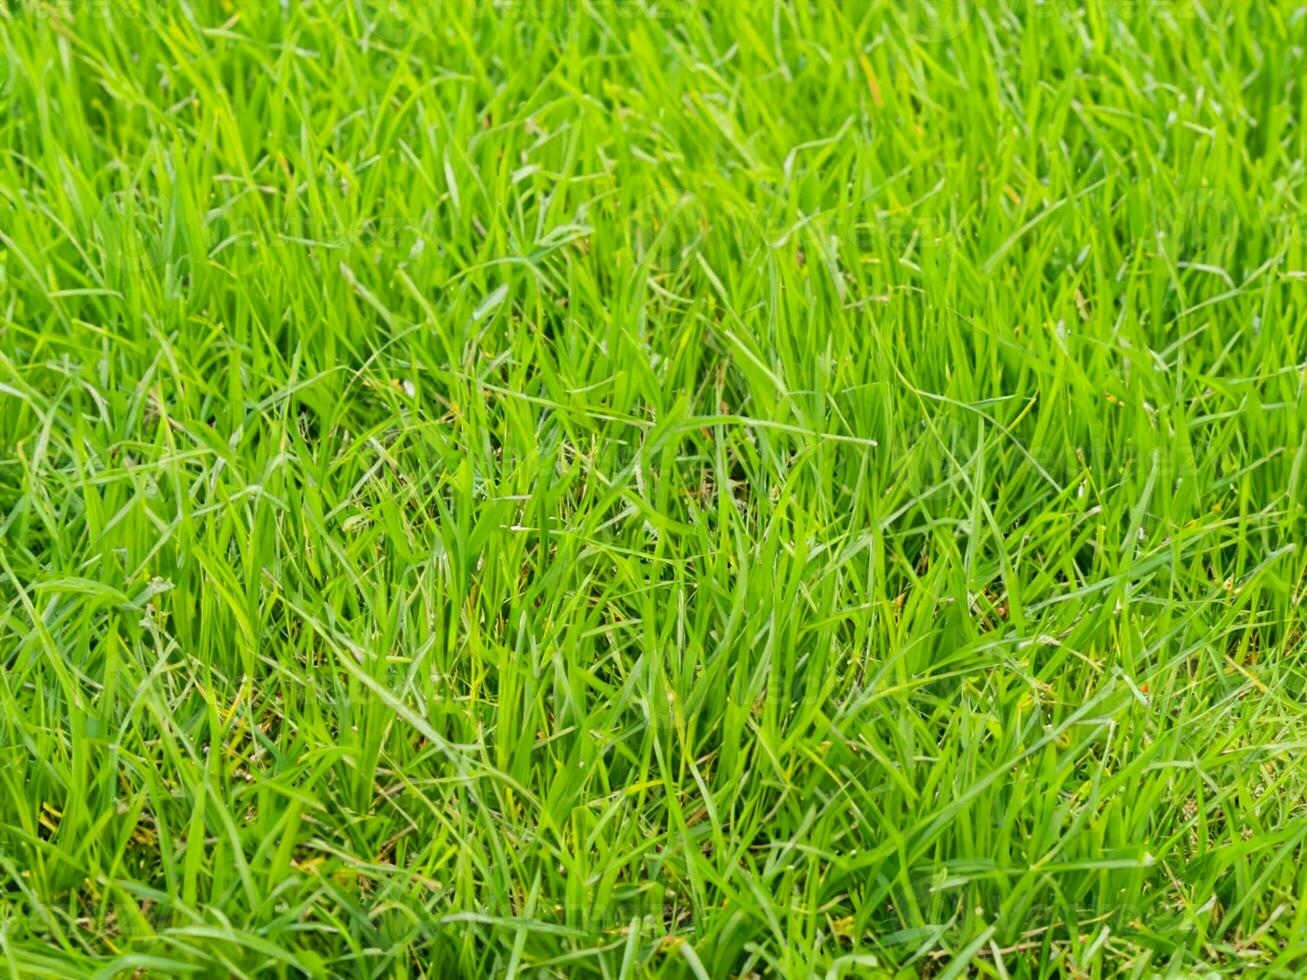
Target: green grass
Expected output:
[608,488]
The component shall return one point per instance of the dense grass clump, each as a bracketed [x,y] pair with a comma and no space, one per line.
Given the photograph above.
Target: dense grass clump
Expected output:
[622,487]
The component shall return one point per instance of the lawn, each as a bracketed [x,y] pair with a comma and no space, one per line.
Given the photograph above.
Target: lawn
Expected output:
[615,488]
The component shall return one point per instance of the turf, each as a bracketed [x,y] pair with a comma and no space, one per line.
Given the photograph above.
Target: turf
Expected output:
[615,488]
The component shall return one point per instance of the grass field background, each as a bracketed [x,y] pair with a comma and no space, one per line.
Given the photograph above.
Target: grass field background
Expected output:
[612,488]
